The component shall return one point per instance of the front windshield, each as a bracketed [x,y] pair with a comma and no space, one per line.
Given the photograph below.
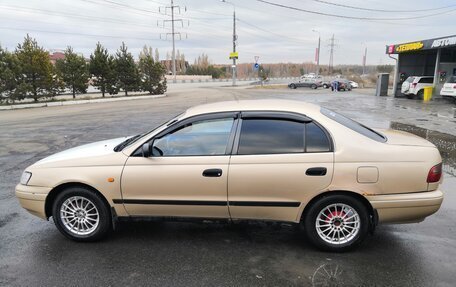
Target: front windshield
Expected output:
[133,139]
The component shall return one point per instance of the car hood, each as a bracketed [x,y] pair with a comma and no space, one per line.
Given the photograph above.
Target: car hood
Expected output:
[395,137]
[83,152]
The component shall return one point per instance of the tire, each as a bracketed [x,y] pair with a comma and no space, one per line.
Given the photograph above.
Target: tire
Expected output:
[420,95]
[314,86]
[325,86]
[292,86]
[410,96]
[346,206]
[89,223]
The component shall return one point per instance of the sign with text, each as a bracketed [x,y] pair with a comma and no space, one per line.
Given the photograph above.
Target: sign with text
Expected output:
[234,55]
[430,44]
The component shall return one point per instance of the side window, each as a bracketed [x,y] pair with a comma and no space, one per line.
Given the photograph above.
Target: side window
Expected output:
[426,80]
[316,139]
[271,136]
[208,137]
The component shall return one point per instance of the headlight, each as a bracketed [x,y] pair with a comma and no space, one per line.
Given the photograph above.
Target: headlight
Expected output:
[26,175]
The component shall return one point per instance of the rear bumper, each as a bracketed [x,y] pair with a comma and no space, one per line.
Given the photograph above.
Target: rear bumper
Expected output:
[448,93]
[33,198]
[407,207]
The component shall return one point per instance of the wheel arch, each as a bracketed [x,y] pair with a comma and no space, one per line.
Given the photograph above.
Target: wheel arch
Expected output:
[372,212]
[59,188]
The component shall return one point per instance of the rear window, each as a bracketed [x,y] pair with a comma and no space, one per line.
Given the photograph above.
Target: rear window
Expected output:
[451,80]
[410,79]
[353,125]
[426,80]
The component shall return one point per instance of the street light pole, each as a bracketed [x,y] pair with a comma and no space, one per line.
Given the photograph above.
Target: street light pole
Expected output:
[174,45]
[318,53]
[234,41]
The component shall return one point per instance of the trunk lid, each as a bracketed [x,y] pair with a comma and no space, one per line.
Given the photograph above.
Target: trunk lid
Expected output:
[395,137]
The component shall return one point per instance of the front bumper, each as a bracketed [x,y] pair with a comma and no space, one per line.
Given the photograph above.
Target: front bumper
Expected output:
[32,198]
[406,207]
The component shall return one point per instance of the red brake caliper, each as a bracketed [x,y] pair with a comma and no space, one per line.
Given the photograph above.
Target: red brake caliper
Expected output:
[333,214]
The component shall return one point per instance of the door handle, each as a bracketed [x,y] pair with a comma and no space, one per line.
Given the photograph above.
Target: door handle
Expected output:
[316,171]
[212,172]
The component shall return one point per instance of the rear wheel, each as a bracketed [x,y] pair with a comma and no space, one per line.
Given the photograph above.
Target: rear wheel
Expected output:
[314,86]
[336,223]
[325,86]
[410,96]
[292,86]
[420,95]
[81,215]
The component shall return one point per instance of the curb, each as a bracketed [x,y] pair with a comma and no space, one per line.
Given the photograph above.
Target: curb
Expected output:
[78,102]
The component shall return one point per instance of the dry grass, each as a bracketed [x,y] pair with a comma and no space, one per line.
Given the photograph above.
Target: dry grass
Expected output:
[270,87]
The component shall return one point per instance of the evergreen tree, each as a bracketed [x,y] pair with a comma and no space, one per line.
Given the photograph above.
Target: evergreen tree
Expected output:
[99,68]
[127,72]
[74,72]
[8,72]
[112,80]
[37,77]
[152,73]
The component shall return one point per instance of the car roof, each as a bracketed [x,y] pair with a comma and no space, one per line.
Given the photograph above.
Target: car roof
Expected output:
[255,105]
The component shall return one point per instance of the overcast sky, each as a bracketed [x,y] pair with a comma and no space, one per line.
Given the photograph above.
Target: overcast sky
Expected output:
[274,34]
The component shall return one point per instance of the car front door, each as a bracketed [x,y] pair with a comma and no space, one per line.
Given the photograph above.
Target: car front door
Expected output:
[278,162]
[186,174]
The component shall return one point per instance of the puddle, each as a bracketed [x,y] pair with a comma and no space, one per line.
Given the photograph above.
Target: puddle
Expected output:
[445,143]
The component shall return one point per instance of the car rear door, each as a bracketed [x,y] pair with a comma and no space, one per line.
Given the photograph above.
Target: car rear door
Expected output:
[279,160]
[187,173]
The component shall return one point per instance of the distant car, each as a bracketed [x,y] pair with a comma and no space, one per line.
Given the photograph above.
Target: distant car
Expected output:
[343,85]
[449,88]
[354,84]
[313,83]
[413,86]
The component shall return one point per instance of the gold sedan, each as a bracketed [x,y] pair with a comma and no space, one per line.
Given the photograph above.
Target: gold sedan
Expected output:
[274,160]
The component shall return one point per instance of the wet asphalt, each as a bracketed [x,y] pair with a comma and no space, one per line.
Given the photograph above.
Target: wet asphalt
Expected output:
[34,253]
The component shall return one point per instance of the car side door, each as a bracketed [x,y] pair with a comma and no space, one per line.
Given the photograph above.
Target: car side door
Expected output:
[279,161]
[186,174]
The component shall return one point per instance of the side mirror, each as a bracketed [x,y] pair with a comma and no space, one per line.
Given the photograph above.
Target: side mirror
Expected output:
[146,149]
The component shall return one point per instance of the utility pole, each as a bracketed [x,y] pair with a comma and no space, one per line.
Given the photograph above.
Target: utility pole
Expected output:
[331,54]
[364,61]
[234,41]
[173,33]
[234,46]
[318,53]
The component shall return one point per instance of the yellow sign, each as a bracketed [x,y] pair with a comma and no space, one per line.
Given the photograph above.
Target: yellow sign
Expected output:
[409,47]
[234,55]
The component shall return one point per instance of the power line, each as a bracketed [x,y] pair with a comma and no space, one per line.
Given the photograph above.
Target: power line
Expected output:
[272,33]
[70,15]
[383,10]
[73,33]
[350,17]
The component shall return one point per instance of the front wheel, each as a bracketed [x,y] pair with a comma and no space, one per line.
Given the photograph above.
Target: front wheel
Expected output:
[81,215]
[336,223]
[292,86]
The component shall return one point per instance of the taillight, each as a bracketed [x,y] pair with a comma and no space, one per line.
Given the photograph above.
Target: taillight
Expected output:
[414,85]
[435,173]
[454,87]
